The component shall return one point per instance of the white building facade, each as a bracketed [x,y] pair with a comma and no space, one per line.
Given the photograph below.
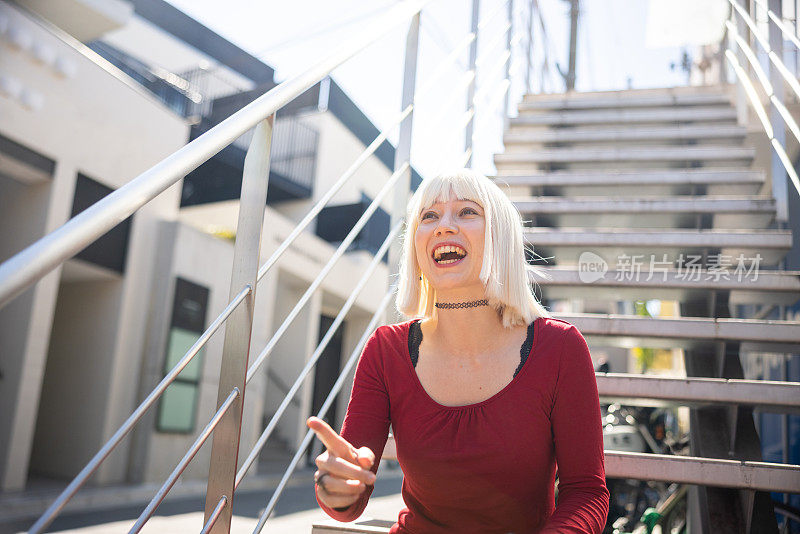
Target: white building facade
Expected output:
[89,99]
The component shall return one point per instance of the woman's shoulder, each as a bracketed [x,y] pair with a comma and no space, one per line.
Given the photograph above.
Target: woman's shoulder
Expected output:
[394,332]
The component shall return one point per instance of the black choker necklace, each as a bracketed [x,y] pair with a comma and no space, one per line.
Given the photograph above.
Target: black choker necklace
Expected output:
[451,305]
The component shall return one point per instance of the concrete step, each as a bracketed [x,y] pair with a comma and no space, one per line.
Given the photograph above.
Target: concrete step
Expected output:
[649,212]
[621,99]
[724,473]
[657,391]
[682,133]
[623,94]
[565,245]
[654,154]
[726,181]
[653,115]
[688,284]
[626,331]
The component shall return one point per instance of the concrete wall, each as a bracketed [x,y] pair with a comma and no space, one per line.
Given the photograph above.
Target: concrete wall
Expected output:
[86,116]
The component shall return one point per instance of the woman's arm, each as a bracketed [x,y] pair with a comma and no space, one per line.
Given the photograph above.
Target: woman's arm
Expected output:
[366,423]
[582,505]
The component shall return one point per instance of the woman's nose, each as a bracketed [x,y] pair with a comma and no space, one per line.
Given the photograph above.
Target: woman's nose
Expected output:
[446,223]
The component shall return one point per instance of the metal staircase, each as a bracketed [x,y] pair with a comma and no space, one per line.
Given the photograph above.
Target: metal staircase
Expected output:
[667,173]
[661,176]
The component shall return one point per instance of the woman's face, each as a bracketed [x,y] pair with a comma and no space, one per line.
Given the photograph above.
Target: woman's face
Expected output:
[455,223]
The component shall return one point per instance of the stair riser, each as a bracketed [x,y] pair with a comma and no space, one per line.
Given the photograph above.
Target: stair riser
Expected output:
[619,165]
[666,116]
[524,144]
[731,221]
[632,190]
[743,155]
[625,103]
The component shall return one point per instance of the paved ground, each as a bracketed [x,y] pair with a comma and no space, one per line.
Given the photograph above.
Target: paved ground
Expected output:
[296,511]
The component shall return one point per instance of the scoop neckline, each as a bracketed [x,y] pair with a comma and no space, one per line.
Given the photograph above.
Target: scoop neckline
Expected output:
[497,395]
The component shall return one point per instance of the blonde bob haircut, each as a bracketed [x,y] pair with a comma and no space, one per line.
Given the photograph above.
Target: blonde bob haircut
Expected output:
[504,271]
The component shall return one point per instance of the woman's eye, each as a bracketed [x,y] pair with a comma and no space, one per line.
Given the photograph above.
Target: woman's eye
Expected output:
[425,216]
[467,210]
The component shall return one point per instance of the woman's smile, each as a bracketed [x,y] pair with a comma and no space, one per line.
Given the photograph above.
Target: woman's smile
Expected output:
[450,236]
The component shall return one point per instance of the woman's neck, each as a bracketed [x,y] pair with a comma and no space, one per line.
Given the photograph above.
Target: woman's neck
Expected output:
[468,332]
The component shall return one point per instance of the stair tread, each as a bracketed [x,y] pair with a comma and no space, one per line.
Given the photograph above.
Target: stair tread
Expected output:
[606,177]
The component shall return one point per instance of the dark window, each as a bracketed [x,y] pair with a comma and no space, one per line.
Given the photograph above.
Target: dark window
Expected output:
[110,249]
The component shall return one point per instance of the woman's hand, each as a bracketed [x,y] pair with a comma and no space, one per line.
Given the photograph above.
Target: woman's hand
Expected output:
[343,471]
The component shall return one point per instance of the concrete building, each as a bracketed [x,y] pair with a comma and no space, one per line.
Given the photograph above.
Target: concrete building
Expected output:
[91,95]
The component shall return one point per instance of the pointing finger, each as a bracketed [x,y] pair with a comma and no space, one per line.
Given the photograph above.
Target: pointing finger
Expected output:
[335,443]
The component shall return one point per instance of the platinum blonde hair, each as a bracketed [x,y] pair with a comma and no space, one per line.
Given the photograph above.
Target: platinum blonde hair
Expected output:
[504,271]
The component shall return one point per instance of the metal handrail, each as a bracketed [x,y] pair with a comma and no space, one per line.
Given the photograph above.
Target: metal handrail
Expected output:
[762,77]
[762,115]
[151,507]
[325,407]
[364,156]
[787,32]
[212,520]
[362,221]
[55,508]
[787,75]
[489,48]
[35,261]
[262,440]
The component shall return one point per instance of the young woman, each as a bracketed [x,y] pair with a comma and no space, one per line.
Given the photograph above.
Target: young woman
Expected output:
[487,395]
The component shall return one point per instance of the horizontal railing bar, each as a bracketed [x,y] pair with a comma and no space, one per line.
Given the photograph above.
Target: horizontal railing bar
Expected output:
[362,158]
[362,221]
[439,69]
[126,427]
[173,477]
[465,159]
[787,75]
[41,257]
[751,57]
[486,87]
[215,515]
[759,109]
[764,394]
[466,79]
[337,386]
[762,77]
[787,32]
[488,18]
[262,440]
[489,49]
[763,476]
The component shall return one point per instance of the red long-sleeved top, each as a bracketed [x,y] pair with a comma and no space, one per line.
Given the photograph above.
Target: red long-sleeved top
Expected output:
[489,466]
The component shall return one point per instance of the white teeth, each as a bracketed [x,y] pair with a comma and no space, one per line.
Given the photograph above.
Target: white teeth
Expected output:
[445,262]
[448,248]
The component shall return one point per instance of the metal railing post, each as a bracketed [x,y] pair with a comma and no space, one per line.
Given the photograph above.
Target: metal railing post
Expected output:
[779,182]
[528,58]
[473,55]
[741,98]
[225,448]
[509,32]
[402,155]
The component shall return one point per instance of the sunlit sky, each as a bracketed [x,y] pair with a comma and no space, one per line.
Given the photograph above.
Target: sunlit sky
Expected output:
[613,53]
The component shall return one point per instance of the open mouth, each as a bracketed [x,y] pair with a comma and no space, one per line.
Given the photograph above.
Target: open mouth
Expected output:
[448,255]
